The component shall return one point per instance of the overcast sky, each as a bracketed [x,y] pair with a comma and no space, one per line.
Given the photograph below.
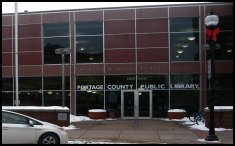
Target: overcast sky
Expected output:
[9,7]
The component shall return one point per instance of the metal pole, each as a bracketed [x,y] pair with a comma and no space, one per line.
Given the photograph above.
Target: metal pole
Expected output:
[16,55]
[63,95]
[211,136]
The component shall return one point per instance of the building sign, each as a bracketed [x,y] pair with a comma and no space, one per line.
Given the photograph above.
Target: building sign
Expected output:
[90,87]
[184,86]
[120,87]
[152,86]
[142,86]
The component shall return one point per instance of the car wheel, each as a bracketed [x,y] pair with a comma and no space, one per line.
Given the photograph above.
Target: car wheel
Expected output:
[48,138]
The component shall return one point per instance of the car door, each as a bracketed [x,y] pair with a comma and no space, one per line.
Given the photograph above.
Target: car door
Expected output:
[16,130]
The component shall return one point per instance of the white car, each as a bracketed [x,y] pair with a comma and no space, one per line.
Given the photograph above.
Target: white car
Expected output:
[21,129]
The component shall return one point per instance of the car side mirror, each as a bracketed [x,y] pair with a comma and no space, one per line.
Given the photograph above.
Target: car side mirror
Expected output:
[31,123]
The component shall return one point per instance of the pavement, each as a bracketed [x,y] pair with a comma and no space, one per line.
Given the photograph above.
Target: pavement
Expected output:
[143,131]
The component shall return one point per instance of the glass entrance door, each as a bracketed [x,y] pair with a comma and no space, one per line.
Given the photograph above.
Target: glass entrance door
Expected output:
[136,104]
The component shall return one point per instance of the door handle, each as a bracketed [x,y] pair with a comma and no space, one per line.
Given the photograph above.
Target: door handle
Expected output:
[5,128]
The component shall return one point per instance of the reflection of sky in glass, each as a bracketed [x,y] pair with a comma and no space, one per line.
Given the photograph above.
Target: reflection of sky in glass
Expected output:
[184,24]
[61,41]
[89,28]
[52,29]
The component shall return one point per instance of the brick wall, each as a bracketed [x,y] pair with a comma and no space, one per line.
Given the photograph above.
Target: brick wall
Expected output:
[222,118]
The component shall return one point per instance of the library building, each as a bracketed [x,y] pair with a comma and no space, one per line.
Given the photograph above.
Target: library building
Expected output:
[138,62]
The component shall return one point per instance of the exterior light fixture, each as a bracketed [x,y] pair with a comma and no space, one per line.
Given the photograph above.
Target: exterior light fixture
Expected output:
[62,51]
[177,56]
[211,31]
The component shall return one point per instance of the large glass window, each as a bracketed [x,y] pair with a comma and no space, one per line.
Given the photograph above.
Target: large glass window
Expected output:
[52,91]
[89,42]
[185,93]
[55,35]
[185,99]
[184,39]
[160,103]
[90,94]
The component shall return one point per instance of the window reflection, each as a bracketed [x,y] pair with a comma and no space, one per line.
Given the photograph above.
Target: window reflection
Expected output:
[50,44]
[184,24]
[89,28]
[89,49]
[56,29]
[89,42]
[55,35]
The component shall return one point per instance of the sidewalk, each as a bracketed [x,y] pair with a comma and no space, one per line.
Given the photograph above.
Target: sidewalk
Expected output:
[148,131]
